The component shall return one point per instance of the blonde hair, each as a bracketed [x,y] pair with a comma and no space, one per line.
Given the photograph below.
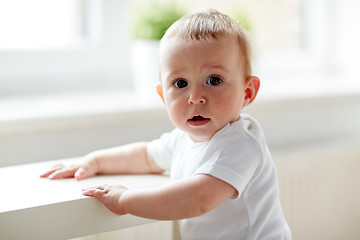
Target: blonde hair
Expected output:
[212,24]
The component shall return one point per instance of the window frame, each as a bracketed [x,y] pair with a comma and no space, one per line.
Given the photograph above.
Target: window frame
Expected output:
[97,62]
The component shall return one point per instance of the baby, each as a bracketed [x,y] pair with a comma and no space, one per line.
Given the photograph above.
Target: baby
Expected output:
[223,180]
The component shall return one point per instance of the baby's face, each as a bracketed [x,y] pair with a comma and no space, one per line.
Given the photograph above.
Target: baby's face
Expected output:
[203,84]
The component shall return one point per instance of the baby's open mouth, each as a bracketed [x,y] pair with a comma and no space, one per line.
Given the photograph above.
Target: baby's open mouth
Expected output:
[198,120]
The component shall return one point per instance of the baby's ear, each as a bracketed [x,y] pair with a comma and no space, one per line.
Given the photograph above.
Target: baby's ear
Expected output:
[159,90]
[252,88]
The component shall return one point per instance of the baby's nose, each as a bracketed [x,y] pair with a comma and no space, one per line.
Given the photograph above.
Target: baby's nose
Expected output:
[196,98]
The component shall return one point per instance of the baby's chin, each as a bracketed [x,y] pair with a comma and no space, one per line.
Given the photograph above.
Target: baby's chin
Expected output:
[202,132]
[201,137]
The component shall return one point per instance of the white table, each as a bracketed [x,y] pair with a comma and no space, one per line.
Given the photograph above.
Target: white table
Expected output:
[38,208]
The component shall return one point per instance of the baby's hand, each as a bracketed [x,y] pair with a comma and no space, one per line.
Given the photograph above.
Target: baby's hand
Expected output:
[108,195]
[77,171]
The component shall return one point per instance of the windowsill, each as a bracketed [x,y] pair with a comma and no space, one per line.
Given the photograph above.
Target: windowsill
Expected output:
[308,85]
[64,105]
[21,113]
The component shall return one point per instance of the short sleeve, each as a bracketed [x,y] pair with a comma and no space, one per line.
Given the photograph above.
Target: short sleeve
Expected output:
[234,158]
[162,149]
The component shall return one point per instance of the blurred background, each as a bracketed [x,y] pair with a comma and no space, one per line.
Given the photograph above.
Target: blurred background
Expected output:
[84,45]
[73,79]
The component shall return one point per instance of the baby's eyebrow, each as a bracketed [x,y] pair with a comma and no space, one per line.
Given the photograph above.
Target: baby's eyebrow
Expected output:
[217,67]
[173,75]
[177,72]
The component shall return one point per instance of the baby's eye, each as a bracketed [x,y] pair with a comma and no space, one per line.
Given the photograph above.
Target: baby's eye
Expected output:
[180,83]
[214,80]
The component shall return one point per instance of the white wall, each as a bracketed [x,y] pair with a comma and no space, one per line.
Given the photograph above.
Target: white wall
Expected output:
[45,139]
[319,189]
[293,121]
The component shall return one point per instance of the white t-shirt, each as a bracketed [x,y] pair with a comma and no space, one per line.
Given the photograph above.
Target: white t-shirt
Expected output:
[238,155]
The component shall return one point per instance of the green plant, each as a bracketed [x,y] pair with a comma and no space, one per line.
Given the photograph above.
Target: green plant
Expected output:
[152,19]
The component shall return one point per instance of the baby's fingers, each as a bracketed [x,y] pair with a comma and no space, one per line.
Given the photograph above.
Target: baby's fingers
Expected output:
[52,170]
[88,191]
[108,195]
[60,171]
[84,172]
[96,191]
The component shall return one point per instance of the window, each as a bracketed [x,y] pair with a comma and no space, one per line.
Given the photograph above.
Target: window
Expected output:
[81,45]
[40,24]
[63,46]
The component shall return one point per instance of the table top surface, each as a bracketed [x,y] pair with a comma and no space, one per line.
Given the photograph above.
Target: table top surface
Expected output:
[22,186]
[30,202]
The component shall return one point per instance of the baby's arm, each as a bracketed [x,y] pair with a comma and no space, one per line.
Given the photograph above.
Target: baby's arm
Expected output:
[128,159]
[176,200]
